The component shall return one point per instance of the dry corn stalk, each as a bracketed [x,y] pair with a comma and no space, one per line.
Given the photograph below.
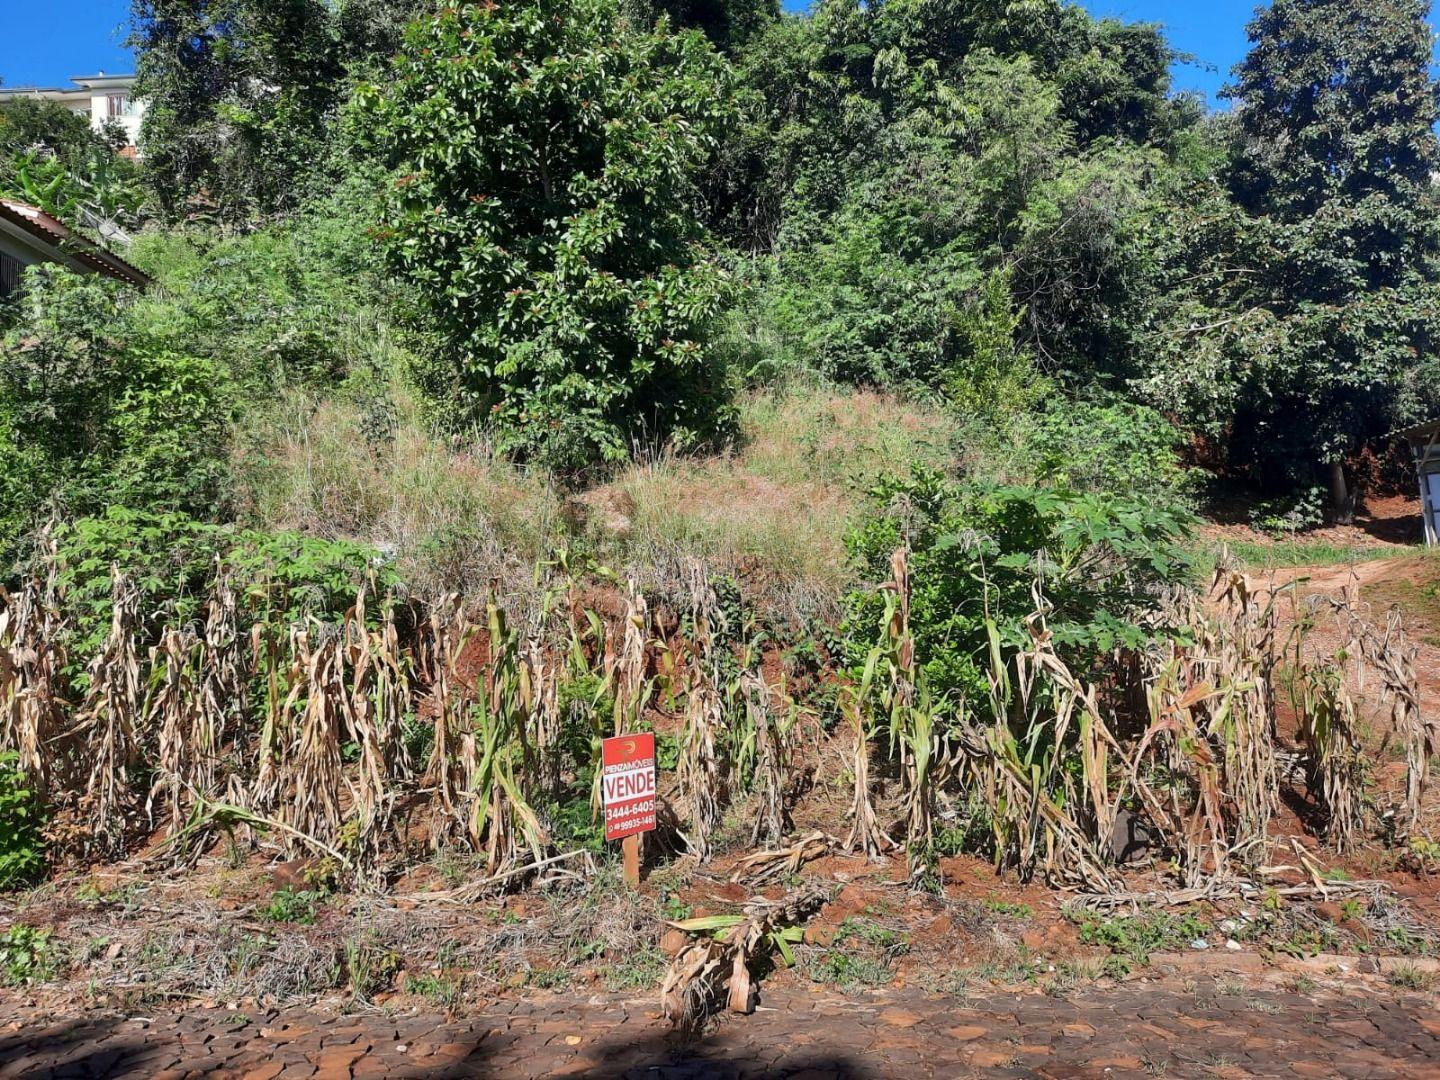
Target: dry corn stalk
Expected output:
[109,724]
[705,970]
[1017,765]
[449,631]
[771,762]
[1189,815]
[377,693]
[172,709]
[32,690]
[1390,655]
[544,679]
[698,771]
[501,816]
[315,778]
[631,687]
[865,836]
[763,866]
[1334,765]
[224,685]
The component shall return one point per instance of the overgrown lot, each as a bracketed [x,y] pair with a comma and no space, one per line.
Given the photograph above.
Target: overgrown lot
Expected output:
[858,400]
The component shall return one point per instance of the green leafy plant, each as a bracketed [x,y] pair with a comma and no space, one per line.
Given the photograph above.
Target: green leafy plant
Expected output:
[543,158]
[977,552]
[1135,937]
[28,955]
[1288,514]
[290,905]
[22,847]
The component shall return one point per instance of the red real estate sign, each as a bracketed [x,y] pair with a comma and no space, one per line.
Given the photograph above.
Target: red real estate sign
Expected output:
[627,785]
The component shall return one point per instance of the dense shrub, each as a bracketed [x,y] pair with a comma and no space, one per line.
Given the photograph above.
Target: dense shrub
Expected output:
[173,558]
[544,155]
[1108,446]
[977,552]
[93,416]
[22,848]
[52,158]
[299,303]
[111,397]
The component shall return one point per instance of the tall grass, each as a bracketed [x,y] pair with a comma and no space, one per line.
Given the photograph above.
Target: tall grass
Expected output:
[780,503]
[452,513]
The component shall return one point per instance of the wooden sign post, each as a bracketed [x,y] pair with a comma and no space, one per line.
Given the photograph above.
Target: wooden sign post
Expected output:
[627,788]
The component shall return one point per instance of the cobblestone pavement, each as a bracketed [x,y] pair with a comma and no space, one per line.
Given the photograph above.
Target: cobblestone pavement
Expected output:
[795,1035]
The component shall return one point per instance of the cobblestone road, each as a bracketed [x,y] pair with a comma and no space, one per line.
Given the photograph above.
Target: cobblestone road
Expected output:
[796,1035]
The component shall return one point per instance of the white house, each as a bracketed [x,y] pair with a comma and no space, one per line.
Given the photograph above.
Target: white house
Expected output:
[101,97]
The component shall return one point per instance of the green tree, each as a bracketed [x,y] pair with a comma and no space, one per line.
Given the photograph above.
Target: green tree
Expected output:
[94,414]
[729,24]
[932,176]
[1318,297]
[239,93]
[543,202]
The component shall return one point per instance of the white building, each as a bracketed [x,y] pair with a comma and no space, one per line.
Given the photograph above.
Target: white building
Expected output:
[101,97]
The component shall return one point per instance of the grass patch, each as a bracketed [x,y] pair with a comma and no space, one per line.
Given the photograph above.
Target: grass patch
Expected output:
[861,955]
[641,970]
[442,988]
[1290,553]
[451,513]
[1411,977]
[1135,937]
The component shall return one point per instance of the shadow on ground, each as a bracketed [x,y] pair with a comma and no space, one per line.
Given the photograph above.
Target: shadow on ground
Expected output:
[199,1045]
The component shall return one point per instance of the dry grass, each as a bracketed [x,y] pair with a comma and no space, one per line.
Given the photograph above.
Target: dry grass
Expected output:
[781,502]
[776,507]
[453,514]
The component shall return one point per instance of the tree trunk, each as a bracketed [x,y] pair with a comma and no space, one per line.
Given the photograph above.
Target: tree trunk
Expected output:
[1342,500]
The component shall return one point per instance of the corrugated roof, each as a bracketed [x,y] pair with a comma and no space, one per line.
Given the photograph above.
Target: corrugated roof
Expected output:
[54,232]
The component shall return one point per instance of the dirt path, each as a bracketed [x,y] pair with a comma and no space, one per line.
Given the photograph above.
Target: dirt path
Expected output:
[1128,1032]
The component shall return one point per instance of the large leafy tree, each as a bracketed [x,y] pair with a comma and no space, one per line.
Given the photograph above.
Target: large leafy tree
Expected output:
[242,95]
[1319,297]
[948,186]
[544,154]
[238,93]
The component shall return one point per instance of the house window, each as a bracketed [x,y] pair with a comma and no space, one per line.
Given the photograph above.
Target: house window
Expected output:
[118,105]
[10,273]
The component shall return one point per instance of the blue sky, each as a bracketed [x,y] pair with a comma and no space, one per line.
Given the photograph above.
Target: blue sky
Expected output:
[43,42]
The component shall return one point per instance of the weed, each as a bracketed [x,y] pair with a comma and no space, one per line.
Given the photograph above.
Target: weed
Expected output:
[441,988]
[1013,910]
[1137,936]
[641,970]
[28,955]
[1070,974]
[1411,977]
[849,971]
[550,978]
[292,906]
[369,965]
[872,933]
[1115,967]
[22,849]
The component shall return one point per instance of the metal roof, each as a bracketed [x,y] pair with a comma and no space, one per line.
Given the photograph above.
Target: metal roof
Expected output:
[56,234]
[1429,427]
